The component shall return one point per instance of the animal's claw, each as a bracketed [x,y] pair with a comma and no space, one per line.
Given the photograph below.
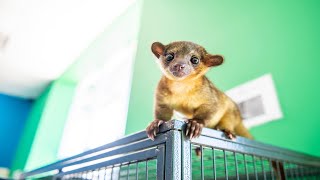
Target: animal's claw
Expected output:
[193,128]
[153,128]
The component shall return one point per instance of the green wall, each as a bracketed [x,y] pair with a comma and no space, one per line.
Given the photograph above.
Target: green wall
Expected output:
[256,37]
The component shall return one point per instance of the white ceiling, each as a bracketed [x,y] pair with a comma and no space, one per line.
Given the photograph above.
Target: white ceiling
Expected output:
[45,37]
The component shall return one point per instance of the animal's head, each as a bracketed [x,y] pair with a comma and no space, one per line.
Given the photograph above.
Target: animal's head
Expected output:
[184,60]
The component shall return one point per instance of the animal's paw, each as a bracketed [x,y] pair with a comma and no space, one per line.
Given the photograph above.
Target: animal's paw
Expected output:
[193,129]
[153,128]
[229,134]
[198,151]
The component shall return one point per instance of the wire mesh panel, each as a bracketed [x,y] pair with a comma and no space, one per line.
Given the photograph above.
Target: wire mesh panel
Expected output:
[211,163]
[126,171]
[132,157]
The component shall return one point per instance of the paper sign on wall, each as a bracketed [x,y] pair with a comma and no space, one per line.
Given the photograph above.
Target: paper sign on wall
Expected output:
[257,101]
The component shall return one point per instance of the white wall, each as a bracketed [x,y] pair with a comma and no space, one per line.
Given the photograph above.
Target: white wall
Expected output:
[45,37]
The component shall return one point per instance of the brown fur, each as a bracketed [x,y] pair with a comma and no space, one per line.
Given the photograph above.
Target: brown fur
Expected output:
[194,95]
[188,91]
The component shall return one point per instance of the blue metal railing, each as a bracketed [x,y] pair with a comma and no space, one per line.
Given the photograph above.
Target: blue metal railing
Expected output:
[172,156]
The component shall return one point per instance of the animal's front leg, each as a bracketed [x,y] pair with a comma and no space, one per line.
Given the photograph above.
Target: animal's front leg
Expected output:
[162,113]
[194,128]
[199,120]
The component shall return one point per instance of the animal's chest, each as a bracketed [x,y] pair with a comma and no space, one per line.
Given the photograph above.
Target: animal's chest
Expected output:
[185,98]
[186,103]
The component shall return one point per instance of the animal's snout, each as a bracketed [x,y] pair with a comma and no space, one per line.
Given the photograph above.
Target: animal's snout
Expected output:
[179,67]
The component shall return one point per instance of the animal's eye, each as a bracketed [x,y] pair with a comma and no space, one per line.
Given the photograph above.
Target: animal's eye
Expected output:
[169,57]
[194,60]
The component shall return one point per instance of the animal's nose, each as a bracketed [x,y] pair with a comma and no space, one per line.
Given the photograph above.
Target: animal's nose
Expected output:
[179,67]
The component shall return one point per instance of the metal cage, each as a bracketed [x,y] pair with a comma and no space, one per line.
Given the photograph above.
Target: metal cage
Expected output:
[172,156]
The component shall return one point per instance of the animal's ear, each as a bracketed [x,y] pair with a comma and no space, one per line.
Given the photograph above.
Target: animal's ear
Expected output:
[157,48]
[213,60]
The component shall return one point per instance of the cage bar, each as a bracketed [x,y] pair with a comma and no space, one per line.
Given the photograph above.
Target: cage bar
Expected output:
[172,156]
